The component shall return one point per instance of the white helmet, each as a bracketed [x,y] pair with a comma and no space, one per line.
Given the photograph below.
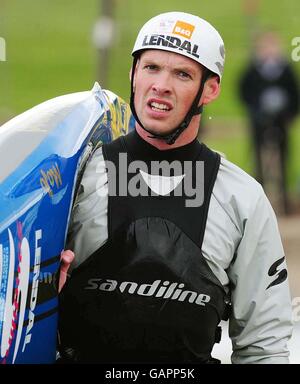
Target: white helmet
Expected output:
[185,34]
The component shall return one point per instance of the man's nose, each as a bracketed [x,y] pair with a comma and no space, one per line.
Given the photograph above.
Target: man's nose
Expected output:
[162,85]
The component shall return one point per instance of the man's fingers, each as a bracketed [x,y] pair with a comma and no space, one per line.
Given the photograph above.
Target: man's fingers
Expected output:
[67,256]
[66,259]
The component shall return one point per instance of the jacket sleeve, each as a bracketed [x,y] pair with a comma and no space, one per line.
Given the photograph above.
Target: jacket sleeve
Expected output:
[88,224]
[261,319]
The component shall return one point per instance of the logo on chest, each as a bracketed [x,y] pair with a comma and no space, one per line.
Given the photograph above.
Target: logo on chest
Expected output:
[159,289]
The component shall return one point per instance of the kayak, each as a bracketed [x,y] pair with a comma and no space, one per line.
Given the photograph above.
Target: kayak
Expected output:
[43,152]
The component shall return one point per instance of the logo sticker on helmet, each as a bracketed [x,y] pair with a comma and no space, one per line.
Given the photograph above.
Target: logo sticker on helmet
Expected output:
[186,34]
[183,29]
[171,42]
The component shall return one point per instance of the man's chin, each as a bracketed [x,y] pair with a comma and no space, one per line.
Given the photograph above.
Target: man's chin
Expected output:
[158,131]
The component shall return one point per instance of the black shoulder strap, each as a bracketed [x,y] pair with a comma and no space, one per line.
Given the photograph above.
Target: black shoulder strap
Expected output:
[213,160]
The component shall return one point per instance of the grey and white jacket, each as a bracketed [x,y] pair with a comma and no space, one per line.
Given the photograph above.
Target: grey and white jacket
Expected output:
[242,246]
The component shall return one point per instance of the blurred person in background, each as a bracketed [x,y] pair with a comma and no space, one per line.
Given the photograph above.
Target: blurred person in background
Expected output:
[269,89]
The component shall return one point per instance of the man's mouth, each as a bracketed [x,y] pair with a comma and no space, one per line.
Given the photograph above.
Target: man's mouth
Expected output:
[159,107]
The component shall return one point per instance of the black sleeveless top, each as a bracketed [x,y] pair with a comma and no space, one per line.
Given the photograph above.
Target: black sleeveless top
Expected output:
[148,294]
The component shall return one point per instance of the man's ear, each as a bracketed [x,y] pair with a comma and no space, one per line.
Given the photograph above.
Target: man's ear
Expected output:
[130,74]
[211,90]
[130,78]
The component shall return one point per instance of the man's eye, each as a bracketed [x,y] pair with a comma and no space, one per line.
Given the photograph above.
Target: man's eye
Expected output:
[151,67]
[184,75]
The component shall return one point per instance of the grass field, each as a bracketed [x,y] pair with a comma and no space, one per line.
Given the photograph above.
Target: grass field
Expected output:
[50,52]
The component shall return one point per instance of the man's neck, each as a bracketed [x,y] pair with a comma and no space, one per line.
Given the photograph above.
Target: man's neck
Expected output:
[185,138]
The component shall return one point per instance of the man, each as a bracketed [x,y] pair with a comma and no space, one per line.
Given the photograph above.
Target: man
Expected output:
[269,89]
[166,233]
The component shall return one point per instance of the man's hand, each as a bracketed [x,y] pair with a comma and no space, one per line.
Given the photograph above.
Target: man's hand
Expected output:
[66,259]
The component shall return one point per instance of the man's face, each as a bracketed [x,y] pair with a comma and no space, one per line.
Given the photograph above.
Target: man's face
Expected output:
[166,85]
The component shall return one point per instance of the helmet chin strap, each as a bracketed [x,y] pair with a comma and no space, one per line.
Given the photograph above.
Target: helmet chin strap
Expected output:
[195,109]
